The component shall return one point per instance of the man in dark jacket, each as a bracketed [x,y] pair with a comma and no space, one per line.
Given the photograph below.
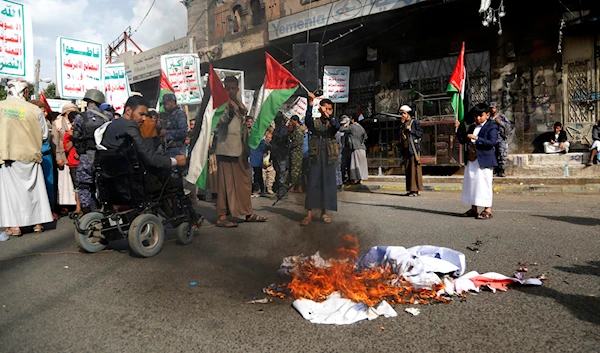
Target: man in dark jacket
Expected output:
[556,142]
[480,139]
[280,154]
[136,110]
[411,134]
[595,144]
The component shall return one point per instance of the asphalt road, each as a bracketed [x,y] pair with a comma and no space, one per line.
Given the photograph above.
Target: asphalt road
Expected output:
[114,302]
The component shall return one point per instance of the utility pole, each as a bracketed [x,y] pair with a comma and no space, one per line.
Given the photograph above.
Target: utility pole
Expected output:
[36,84]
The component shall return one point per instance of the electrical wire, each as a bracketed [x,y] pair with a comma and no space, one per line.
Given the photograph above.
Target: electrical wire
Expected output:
[362,39]
[151,6]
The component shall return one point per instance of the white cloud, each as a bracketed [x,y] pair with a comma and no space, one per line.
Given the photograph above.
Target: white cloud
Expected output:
[102,21]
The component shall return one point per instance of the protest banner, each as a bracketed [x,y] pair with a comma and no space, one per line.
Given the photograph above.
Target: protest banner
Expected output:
[183,72]
[336,83]
[57,104]
[248,98]
[16,47]
[299,108]
[79,67]
[222,73]
[116,84]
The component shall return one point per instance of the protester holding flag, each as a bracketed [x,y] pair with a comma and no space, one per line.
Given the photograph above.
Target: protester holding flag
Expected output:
[234,187]
[480,138]
[323,152]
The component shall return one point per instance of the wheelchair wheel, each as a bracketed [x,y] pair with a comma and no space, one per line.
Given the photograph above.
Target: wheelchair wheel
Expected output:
[146,235]
[89,241]
[184,233]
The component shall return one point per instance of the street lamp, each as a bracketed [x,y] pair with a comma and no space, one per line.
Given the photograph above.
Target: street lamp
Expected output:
[37,86]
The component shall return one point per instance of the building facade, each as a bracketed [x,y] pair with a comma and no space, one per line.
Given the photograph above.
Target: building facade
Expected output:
[540,61]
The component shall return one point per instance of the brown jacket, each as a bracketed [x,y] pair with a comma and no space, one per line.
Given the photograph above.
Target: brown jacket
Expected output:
[232,138]
[21,131]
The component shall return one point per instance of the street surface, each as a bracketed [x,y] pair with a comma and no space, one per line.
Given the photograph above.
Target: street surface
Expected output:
[114,302]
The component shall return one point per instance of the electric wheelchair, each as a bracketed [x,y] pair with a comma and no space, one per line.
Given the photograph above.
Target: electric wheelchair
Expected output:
[136,204]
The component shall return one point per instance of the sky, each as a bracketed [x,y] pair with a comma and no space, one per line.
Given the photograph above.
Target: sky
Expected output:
[102,21]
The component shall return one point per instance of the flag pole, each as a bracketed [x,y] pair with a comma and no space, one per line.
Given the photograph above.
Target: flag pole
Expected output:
[304,87]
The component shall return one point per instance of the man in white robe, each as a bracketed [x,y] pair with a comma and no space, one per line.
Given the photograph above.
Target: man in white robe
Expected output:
[23,197]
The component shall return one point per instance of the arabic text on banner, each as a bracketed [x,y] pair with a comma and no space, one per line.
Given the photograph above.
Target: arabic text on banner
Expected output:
[79,67]
[57,104]
[16,41]
[299,108]
[183,71]
[116,85]
[336,83]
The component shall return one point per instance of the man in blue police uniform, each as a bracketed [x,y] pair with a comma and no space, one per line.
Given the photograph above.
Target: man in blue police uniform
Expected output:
[176,127]
[84,126]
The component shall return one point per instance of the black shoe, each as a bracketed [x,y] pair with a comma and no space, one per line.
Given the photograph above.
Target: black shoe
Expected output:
[501,175]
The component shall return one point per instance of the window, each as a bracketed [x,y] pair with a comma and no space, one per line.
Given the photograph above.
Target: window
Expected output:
[236,19]
[258,12]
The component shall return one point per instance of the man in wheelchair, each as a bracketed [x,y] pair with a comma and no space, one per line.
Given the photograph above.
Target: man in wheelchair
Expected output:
[138,188]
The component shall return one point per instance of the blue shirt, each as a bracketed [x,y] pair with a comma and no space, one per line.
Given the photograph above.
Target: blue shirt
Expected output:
[305,144]
[256,155]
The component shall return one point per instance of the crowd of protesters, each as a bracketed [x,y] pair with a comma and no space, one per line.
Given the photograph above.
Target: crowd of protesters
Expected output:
[312,155]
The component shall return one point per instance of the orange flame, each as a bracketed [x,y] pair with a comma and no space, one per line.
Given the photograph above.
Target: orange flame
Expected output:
[368,286]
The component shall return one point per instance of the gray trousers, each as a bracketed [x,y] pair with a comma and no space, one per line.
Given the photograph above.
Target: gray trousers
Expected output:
[501,150]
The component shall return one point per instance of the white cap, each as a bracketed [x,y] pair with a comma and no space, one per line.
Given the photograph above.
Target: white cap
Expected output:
[405,108]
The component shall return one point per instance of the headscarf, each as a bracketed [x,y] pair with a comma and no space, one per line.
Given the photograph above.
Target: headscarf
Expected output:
[16,88]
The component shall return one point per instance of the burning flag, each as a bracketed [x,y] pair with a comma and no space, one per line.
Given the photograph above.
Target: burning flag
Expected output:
[165,88]
[345,289]
[458,88]
[279,86]
[214,103]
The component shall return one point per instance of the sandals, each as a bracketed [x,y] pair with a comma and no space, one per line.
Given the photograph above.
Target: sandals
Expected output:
[485,215]
[326,219]
[12,232]
[255,218]
[38,228]
[306,221]
[226,224]
[470,213]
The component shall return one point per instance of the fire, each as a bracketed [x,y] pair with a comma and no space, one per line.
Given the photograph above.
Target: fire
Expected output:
[368,286]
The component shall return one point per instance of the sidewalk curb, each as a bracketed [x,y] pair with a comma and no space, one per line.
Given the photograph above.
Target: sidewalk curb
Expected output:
[505,189]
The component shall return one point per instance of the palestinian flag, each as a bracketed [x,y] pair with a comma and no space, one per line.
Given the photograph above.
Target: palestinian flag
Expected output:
[45,101]
[165,88]
[458,88]
[279,86]
[214,103]
[360,115]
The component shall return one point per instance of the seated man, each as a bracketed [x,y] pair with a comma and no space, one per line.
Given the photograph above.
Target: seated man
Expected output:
[556,142]
[111,137]
[595,145]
